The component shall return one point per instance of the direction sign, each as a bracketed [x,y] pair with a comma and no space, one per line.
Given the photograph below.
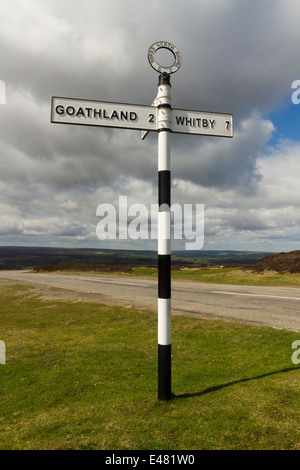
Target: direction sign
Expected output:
[198,122]
[102,113]
[132,116]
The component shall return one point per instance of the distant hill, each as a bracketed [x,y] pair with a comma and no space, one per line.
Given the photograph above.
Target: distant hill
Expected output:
[280,262]
[21,257]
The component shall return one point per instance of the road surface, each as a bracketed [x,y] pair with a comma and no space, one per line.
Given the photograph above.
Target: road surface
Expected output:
[277,307]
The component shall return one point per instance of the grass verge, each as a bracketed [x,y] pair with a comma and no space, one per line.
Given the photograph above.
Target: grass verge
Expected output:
[233,276]
[84,376]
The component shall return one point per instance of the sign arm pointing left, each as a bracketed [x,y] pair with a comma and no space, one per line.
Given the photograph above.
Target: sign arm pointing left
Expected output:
[103,114]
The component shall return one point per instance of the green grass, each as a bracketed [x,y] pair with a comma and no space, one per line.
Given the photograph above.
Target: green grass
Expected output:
[84,376]
[236,276]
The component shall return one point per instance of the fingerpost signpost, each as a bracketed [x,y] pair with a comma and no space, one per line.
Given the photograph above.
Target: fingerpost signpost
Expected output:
[164,119]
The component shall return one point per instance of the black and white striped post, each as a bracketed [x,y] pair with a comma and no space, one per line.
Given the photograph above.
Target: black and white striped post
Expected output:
[128,116]
[164,128]
[164,242]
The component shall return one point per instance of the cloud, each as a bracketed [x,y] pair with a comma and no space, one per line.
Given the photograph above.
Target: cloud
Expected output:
[237,57]
[226,163]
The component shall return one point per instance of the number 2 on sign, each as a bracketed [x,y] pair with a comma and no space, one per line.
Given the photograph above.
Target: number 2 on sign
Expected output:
[151,118]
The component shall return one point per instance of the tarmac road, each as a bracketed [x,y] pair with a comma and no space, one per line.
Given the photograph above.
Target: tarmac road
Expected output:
[277,307]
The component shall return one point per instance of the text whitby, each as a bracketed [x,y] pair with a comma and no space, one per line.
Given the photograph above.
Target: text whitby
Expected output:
[195,122]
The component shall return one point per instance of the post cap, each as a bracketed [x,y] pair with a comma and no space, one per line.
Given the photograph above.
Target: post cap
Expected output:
[164,79]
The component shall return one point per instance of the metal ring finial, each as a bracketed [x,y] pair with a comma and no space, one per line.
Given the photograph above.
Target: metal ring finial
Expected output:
[164,45]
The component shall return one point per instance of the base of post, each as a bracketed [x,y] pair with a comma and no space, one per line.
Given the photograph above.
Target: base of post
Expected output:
[164,372]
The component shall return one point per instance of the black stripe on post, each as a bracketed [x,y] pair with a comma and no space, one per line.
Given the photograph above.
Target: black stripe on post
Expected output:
[164,187]
[164,276]
[164,372]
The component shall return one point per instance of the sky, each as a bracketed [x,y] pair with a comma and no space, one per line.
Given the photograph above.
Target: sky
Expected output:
[239,57]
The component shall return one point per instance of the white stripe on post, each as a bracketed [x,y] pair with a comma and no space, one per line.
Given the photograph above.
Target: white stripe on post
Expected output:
[164,242]
[164,322]
[163,147]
